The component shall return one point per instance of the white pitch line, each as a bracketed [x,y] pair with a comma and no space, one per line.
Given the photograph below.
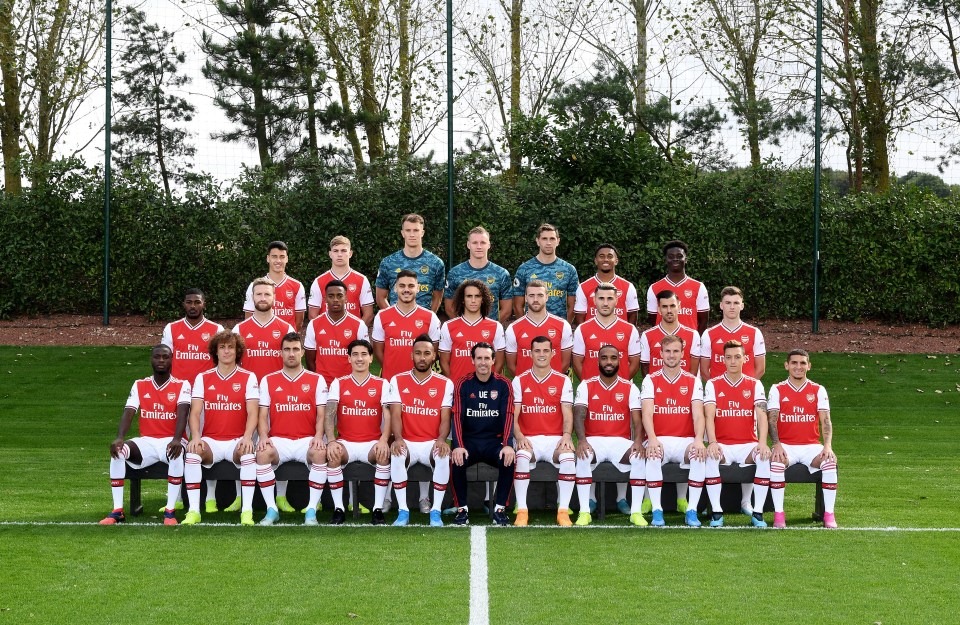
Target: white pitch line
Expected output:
[479,597]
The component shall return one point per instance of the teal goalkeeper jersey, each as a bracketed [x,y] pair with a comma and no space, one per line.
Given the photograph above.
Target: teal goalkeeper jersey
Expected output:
[493,275]
[428,267]
[560,277]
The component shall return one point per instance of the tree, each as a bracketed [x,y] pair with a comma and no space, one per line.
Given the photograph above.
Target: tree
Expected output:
[148,113]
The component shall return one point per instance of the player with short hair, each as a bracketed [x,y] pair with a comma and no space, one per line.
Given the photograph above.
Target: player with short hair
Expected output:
[669,324]
[227,399]
[420,417]
[537,322]
[543,424]
[470,325]
[798,411]
[559,276]
[606,259]
[732,328]
[263,331]
[394,328]
[605,410]
[290,300]
[328,334]
[482,432]
[605,328]
[187,338]
[426,266]
[359,302]
[358,428]
[693,301]
[163,402]
[291,425]
[479,267]
[735,408]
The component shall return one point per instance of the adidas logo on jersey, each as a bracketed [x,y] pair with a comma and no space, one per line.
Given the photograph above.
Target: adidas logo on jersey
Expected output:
[459,335]
[524,335]
[392,325]
[657,345]
[595,397]
[146,396]
[526,390]
[180,336]
[346,393]
[278,389]
[593,337]
[722,394]
[323,331]
[211,388]
[786,399]
[248,336]
[719,341]
[406,390]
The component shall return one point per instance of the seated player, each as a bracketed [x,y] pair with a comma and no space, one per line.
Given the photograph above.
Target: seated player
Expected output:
[673,420]
[420,403]
[358,428]
[798,410]
[735,405]
[292,404]
[163,402]
[604,410]
[543,424]
[226,397]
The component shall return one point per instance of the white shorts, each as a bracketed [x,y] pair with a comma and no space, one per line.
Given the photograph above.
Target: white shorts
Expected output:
[674,449]
[291,449]
[153,450]
[357,452]
[738,453]
[802,454]
[221,450]
[544,447]
[420,452]
[610,449]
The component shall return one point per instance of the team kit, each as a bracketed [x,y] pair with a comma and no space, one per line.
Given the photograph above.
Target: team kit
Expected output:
[292,382]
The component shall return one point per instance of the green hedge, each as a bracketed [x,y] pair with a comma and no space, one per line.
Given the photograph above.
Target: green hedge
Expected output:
[886,257]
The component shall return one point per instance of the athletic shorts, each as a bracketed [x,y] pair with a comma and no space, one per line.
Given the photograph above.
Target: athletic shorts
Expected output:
[153,450]
[802,454]
[674,449]
[544,447]
[738,453]
[221,450]
[291,449]
[420,452]
[358,452]
[610,449]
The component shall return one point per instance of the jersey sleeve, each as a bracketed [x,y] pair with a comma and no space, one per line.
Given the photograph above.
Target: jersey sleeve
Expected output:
[520,281]
[566,336]
[758,395]
[633,347]
[248,300]
[377,334]
[499,344]
[333,393]
[366,293]
[651,301]
[632,303]
[449,288]
[583,394]
[362,332]
[385,393]
[447,394]
[773,399]
[504,285]
[646,388]
[253,391]
[440,279]
[703,300]
[197,391]
[321,395]
[133,400]
[644,348]
[634,397]
[823,402]
[566,394]
[316,297]
[510,338]
[219,327]
[264,394]
[697,346]
[446,343]
[167,337]
[393,397]
[578,347]
[300,303]
[310,339]
[706,347]
[709,394]
[383,275]
[581,304]
[184,397]
[759,345]
[573,282]
[697,389]
[236,328]
[434,330]
[517,391]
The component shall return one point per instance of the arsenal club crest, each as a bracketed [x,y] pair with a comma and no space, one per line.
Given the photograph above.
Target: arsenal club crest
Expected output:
[418,323]
[485,334]
[811,397]
[205,336]
[352,288]
[276,334]
[236,387]
[688,293]
[552,333]
[432,392]
[744,338]
[620,336]
[491,279]
[559,275]
[552,390]
[289,294]
[684,390]
[618,396]
[171,396]
[494,394]
[347,334]
[371,391]
[305,388]
[746,393]
[424,270]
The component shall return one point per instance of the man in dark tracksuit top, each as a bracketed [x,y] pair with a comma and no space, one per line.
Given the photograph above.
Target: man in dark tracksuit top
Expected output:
[482,430]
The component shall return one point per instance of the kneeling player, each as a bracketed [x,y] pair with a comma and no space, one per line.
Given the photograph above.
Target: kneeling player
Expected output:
[604,409]
[357,409]
[673,420]
[163,402]
[735,408]
[292,404]
[799,408]
[420,416]
[543,422]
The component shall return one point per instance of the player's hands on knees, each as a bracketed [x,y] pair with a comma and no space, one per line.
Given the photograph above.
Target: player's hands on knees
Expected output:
[584,450]
[459,456]
[763,452]
[637,450]
[335,453]
[523,443]
[318,444]
[697,451]
[115,447]
[508,454]
[565,444]
[174,449]
[827,455]
[714,450]
[245,446]
[441,448]
[263,443]
[654,449]
[195,447]
[778,454]
[381,452]
[398,448]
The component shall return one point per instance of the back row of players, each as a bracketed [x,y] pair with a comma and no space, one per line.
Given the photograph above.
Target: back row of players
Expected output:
[604,306]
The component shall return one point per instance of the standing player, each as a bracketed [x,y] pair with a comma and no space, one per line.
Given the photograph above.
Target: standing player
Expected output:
[543,424]
[692,298]
[732,328]
[291,424]
[359,296]
[605,409]
[263,332]
[394,328]
[537,322]
[330,332]
[479,267]
[427,268]
[652,339]
[482,432]
[358,428]
[559,276]
[628,306]
[420,416]
[290,301]
[735,407]
[672,401]
[227,399]
[163,402]
[470,325]
[799,410]
[605,328]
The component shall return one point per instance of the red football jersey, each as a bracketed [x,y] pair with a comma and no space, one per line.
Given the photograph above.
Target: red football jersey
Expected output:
[591,335]
[358,291]
[360,407]
[627,301]
[798,422]
[225,402]
[608,408]
[396,331]
[293,403]
[650,347]
[540,401]
[734,422]
[691,294]
[458,336]
[330,339]
[520,335]
[190,347]
[288,299]
[158,405]
[263,342]
[713,340]
[421,403]
[673,402]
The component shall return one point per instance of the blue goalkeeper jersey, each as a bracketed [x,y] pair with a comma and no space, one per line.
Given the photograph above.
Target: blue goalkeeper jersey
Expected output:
[493,275]
[560,277]
[482,410]
[428,267]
